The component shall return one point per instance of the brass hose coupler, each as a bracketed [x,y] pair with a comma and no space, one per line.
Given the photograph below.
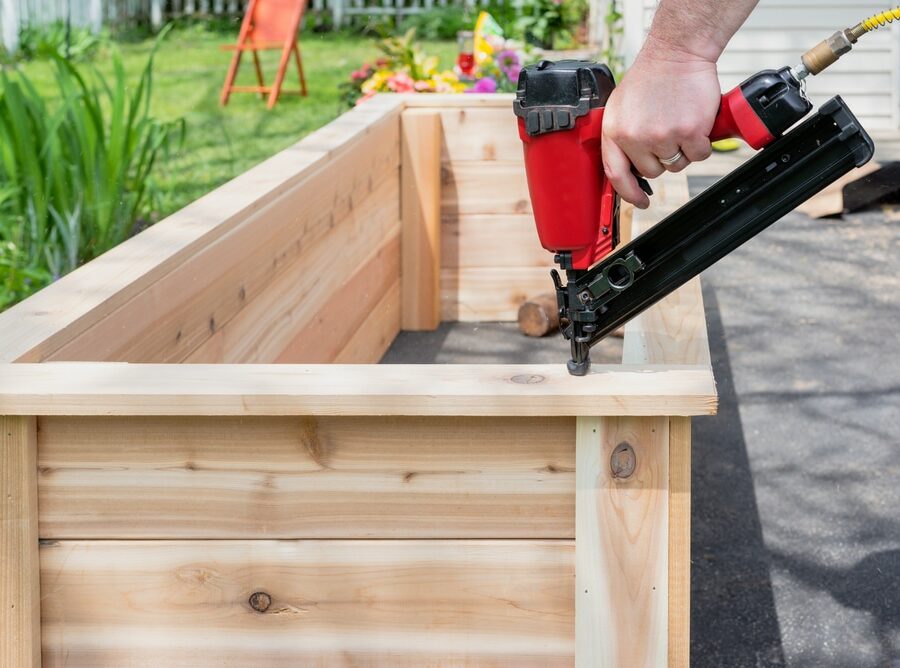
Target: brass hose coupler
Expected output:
[827,52]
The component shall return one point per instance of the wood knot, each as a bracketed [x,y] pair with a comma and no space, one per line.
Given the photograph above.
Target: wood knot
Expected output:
[260,601]
[622,461]
[528,379]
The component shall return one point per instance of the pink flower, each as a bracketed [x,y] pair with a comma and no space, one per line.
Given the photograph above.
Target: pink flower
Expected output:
[509,63]
[401,83]
[366,96]
[485,85]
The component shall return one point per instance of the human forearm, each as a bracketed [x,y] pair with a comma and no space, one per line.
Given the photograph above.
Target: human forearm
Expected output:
[695,28]
[661,114]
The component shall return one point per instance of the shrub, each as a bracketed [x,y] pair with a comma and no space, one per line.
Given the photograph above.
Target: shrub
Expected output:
[438,23]
[74,173]
[52,40]
[551,24]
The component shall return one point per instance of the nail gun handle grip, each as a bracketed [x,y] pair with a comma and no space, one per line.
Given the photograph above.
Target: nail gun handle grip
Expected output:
[737,119]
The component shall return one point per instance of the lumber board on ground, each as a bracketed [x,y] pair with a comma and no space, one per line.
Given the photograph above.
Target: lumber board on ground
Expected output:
[295,477]
[92,388]
[420,192]
[621,533]
[20,591]
[390,603]
[34,329]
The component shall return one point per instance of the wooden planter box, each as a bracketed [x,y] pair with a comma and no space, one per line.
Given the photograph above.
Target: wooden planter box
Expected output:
[277,498]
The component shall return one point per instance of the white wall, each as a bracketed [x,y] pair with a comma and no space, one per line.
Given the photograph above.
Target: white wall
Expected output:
[777,34]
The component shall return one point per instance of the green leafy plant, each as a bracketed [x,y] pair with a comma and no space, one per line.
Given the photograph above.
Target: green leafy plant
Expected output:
[552,24]
[74,172]
[439,22]
[54,39]
[612,43]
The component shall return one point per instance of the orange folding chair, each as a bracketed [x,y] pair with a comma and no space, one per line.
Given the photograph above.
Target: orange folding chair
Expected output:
[267,25]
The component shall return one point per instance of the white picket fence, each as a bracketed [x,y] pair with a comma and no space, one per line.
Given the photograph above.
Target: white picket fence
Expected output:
[95,13]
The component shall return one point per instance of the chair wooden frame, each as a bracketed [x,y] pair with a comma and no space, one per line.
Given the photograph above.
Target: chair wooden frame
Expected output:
[246,42]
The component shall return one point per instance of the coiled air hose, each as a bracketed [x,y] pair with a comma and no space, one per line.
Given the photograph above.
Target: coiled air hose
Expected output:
[828,51]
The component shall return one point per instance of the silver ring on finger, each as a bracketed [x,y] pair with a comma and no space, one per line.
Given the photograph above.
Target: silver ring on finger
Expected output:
[668,162]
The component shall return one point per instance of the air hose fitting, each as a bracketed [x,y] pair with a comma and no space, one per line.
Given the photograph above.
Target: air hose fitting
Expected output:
[827,52]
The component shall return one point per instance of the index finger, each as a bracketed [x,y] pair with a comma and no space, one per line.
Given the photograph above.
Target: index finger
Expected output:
[618,170]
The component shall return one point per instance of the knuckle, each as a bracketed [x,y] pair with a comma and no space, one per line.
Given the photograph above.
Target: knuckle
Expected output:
[653,170]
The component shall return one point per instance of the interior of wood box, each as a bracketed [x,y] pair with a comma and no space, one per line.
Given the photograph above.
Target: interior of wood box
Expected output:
[300,260]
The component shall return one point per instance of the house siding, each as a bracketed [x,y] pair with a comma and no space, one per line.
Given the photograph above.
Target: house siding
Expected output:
[777,33]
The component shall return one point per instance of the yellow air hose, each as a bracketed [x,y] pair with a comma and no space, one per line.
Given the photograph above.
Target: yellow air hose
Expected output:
[827,52]
[875,22]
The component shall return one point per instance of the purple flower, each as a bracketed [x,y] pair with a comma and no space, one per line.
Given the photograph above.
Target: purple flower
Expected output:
[485,85]
[509,63]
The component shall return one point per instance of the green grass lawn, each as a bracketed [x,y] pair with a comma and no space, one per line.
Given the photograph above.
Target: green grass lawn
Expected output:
[222,142]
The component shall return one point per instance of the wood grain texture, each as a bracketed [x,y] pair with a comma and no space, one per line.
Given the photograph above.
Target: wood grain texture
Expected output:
[274,326]
[420,192]
[679,542]
[490,187]
[344,305]
[92,388]
[325,223]
[376,334]
[491,240]
[480,134]
[674,330]
[370,603]
[451,100]
[34,329]
[489,294]
[621,595]
[344,477]
[20,588]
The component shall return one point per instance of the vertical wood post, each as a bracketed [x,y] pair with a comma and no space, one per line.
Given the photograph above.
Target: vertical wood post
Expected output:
[679,542]
[20,596]
[420,209]
[621,542]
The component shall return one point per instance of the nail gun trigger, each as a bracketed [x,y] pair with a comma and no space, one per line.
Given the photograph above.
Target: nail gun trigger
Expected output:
[645,186]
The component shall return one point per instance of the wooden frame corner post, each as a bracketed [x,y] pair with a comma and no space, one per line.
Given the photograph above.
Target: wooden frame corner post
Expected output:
[420,210]
[20,596]
[621,542]
[679,542]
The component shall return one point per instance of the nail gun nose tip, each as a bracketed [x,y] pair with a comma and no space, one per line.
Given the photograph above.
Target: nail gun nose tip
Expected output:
[579,368]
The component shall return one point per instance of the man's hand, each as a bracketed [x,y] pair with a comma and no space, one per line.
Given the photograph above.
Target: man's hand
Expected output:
[666,103]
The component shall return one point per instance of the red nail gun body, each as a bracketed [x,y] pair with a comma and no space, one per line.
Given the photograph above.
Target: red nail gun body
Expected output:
[560,110]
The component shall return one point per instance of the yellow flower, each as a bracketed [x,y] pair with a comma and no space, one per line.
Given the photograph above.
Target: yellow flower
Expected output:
[377,83]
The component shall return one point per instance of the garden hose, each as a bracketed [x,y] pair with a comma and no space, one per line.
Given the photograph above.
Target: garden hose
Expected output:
[827,52]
